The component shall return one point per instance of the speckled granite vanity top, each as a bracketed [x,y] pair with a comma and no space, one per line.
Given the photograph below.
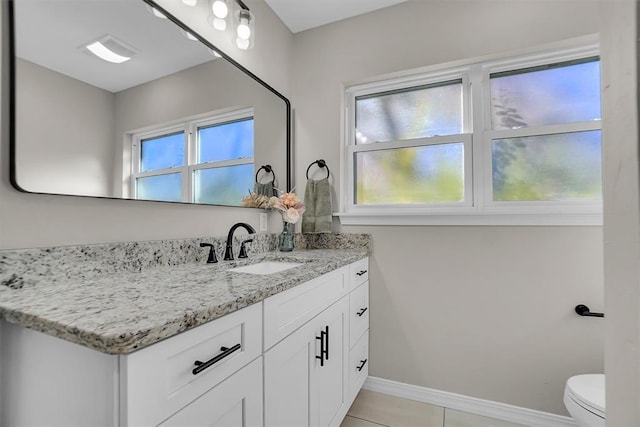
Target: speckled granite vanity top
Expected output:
[118,312]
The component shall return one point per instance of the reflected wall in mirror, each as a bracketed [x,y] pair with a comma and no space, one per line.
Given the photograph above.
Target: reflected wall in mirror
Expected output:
[173,122]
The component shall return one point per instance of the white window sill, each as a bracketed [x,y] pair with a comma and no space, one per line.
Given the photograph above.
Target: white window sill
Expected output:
[471,218]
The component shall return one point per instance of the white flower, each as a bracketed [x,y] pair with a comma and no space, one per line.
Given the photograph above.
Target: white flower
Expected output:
[291,215]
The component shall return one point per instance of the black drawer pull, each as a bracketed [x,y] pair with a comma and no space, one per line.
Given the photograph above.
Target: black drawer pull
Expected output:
[361,272]
[362,363]
[323,350]
[201,366]
[362,311]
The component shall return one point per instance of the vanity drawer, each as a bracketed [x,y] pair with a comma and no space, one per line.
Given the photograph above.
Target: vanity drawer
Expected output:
[287,311]
[358,272]
[358,365]
[159,380]
[358,313]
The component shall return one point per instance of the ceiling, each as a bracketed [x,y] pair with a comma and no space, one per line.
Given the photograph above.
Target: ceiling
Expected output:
[301,15]
[52,34]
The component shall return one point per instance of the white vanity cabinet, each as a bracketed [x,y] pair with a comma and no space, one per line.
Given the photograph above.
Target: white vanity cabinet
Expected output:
[48,381]
[307,373]
[298,358]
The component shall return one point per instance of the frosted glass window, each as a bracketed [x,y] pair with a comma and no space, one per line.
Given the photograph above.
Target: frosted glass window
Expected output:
[160,187]
[409,113]
[560,167]
[567,92]
[427,174]
[223,185]
[162,152]
[226,141]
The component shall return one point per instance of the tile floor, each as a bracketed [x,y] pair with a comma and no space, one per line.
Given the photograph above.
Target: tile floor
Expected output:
[372,409]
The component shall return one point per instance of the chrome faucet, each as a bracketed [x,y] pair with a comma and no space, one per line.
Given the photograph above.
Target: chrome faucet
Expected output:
[228,252]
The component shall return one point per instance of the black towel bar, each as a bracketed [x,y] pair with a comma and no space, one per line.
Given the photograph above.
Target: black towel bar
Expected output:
[267,169]
[321,164]
[583,310]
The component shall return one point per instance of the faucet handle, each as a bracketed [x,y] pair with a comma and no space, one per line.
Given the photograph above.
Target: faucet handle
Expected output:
[212,253]
[243,249]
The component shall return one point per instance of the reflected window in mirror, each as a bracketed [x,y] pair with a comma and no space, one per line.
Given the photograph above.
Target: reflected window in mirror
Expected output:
[203,159]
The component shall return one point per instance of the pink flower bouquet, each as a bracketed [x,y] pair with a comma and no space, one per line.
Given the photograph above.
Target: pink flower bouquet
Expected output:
[289,206]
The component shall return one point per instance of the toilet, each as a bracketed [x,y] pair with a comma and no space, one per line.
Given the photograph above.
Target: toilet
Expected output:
[584,399]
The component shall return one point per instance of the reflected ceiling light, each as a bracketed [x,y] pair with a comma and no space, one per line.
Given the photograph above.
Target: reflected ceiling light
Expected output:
[219,24]
[190,2]
[214,53]
[156,12]
[109,49]
[188,35]
[220,9]
[242,43]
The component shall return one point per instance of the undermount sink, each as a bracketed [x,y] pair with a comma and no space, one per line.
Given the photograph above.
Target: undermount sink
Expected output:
[266,267]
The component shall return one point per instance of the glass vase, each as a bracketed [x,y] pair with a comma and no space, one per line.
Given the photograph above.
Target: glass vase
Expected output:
[285,240]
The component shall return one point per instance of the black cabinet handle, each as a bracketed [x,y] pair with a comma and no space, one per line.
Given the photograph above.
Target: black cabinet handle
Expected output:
[324,345]
[362,311]
[361,272]
[362,363]
[321,338]
[201,366]
[583,310]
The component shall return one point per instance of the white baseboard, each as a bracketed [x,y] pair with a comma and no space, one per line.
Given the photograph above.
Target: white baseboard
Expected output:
[487,408]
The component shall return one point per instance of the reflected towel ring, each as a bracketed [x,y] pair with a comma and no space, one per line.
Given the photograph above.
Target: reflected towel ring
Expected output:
[267,169]
[321,164]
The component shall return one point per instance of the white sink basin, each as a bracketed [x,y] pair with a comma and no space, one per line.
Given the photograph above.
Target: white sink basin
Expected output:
[266,267]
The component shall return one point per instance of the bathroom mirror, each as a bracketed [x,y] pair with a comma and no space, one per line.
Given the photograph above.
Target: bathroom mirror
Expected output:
[173,122]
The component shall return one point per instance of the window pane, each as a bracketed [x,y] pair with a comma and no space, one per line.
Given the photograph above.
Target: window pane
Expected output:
[535,97]
[428,174]
[160,187]
[165,151]
[409,114]
[549,167]
[223,186]
[225,141]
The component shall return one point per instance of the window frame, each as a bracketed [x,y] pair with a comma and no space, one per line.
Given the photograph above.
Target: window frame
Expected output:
[477,126]
[189,127]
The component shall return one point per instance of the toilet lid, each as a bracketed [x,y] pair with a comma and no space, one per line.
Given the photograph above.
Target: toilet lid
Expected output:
[588,392]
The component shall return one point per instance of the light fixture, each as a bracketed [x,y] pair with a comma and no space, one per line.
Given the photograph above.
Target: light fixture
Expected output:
[242,20]
[190,2]
[109,49]
[244,28]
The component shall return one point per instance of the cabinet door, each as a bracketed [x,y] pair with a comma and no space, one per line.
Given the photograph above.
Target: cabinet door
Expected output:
[301,389]
[330,386]
[235,402]
[286,379]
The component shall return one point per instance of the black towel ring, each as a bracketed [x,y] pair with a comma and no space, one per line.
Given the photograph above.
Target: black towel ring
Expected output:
[267,169]
[321,164]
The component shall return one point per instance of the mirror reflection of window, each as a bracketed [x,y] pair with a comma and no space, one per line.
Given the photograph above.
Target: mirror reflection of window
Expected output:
[208,160]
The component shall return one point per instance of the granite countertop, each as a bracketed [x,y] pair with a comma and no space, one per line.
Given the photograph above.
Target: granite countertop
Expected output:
[122,312]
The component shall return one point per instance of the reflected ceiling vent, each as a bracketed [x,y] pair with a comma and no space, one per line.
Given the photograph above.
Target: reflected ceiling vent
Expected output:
[111,49]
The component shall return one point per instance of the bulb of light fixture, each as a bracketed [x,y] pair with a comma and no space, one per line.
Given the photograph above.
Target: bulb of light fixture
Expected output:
[220,9]
[190,2]
[243,30]
[242,43]
[219,24]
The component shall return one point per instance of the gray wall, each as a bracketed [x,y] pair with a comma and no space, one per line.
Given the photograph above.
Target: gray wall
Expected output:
[481,311]
[65,128]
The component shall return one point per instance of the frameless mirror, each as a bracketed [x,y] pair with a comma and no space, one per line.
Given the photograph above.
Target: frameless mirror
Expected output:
[160,117]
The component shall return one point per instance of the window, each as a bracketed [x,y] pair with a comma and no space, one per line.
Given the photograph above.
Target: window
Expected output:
[206,160]
[515,141]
